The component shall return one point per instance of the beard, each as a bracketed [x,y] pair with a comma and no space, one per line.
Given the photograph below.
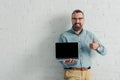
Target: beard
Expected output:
[77,26]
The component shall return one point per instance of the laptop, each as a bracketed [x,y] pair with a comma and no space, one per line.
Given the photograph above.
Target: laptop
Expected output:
[66,50]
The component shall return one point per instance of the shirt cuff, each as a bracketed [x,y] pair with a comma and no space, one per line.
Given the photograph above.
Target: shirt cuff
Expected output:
[99,49]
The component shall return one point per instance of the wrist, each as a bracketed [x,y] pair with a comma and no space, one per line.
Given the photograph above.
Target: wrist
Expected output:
[98,47]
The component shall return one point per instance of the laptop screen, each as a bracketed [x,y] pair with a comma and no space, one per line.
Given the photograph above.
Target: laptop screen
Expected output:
[67,50]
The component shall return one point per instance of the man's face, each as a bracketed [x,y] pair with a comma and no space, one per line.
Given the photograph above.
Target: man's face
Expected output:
[77,21]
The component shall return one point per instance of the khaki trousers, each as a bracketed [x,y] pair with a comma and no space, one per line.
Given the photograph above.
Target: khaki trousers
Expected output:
[77,75]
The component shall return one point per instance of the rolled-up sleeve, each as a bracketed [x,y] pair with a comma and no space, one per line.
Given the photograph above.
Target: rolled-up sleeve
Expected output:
[101,50]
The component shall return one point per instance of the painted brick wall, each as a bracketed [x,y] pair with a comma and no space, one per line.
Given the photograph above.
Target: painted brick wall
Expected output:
[30,28]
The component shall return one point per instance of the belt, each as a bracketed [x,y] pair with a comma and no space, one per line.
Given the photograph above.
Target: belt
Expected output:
[82,69]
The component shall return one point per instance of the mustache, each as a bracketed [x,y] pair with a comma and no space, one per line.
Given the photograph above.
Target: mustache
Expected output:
[76,23]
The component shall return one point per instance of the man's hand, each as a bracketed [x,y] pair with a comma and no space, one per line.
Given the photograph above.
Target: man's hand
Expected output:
[70,61]
[94,45]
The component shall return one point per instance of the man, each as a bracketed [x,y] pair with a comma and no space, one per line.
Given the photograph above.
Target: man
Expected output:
[87,43]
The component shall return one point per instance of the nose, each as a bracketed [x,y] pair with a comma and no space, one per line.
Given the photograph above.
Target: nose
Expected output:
[77,20]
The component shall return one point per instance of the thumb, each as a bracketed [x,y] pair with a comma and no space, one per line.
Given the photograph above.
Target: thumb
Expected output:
[94,41]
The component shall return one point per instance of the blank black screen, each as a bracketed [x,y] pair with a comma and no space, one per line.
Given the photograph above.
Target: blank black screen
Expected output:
[67,50]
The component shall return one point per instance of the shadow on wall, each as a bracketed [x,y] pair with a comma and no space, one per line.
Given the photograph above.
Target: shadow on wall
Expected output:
[56,25]
[42,63]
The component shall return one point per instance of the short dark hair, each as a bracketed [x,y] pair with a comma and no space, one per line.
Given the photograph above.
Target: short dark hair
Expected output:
[77,11]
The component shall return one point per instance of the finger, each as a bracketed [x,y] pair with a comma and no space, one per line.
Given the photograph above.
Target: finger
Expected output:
[67,62]
[94,40]
[74,60]
[71,60]
[91,46]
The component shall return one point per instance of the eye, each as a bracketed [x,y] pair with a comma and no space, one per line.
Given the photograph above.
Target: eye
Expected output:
[77,18]
[74,18]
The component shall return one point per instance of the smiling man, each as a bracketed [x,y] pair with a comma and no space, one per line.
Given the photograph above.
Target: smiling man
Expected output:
[87,42]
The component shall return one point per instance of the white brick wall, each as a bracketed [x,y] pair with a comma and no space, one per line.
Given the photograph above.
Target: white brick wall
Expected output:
[29,29]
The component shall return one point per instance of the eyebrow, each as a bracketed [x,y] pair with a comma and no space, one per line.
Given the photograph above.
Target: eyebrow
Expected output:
[78,18]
